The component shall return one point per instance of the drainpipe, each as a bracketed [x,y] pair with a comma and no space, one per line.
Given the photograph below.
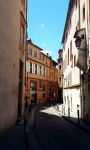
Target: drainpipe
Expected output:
[26,113]
[26,52]
[79,14]
[80,69]
[88,27]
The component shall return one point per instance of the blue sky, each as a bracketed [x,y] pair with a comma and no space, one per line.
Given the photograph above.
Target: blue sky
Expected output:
[46,20]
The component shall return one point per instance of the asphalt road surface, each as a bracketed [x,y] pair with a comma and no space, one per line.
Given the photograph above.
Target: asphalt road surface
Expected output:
[52,132]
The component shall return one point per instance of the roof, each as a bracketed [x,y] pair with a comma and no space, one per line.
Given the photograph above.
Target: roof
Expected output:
[54,62]
[70,7]
[30,41]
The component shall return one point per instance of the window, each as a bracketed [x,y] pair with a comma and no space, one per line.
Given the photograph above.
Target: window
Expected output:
[44,87]
[60,79]
[76,28]
[35,54]
[22,33]
[30,67]
[40,84]
[35,69]
[70,50]
[65,100]
[74,60]
[42,57]
[71,104]
[60,66]
[68,56]
[40,70]
[30,51]
[76,3]
[43,94]
[44,91]
[70,23]
[83,15]
[43,71]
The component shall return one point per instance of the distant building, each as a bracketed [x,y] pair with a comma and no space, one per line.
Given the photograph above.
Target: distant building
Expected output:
[41,76]
[60,76]
[12,60]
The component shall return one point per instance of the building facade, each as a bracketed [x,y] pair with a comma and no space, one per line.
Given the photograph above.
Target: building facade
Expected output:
[71,78]
[60,76]
[76,59]
[83,58]
[41,76]
[12,60]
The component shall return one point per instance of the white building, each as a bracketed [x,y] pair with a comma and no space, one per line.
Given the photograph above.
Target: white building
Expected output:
[75,60]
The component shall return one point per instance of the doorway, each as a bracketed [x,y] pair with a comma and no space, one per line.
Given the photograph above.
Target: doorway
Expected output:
[20,88]
[33,92]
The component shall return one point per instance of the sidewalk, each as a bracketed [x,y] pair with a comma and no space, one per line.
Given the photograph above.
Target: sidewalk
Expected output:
[15,138]
[82,123]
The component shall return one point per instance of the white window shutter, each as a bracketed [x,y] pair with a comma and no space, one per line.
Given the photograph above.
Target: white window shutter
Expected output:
[42,71]
[37,69]
[32,68]
[27,66]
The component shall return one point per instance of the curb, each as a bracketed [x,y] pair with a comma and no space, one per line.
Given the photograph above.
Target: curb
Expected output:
[77,125]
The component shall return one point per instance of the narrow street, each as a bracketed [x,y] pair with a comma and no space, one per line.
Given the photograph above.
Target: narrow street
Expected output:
[51,131]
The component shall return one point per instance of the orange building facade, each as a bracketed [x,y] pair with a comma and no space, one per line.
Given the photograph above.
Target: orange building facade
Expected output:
[41,76]
[13,17]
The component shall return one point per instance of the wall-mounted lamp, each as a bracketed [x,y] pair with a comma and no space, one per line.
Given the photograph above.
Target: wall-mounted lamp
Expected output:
[80,39]
[78,42]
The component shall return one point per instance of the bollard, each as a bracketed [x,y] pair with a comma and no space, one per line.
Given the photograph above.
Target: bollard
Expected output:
[78,115]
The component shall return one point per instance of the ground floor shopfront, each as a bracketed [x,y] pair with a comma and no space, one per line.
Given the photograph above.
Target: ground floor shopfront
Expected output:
[40,91]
